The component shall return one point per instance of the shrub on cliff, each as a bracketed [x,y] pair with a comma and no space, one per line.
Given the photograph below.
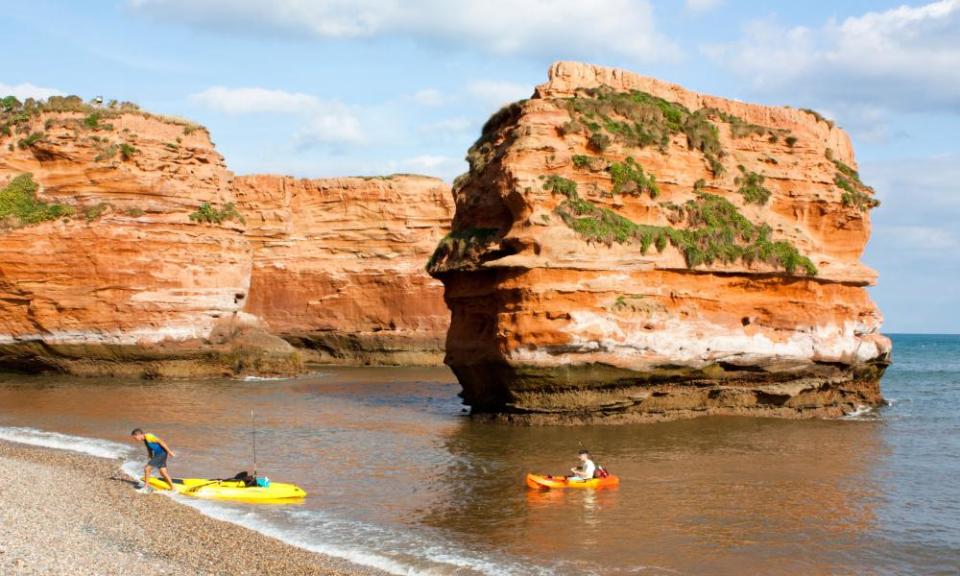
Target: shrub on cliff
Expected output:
[818,116]
[752,188]
[209,214]
[629,178]
[479,155]
[854,193]
[19,205]
[127,151]
[30,140]
[716,231]
[9,103]
[461,244]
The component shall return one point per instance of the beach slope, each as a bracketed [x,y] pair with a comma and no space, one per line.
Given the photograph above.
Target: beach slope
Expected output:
[65,513]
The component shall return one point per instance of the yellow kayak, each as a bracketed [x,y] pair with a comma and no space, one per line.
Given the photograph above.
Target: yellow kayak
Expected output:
[276,492]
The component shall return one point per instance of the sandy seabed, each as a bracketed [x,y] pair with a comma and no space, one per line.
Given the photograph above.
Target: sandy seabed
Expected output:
[72,514]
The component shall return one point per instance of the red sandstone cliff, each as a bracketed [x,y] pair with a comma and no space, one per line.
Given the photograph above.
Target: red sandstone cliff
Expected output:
[338,265]
[102,268]
[628,249]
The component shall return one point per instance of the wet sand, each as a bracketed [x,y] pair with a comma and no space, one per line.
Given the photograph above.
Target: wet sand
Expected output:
[65,513]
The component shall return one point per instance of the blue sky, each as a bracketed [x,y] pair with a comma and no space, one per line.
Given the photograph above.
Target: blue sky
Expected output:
[334,87]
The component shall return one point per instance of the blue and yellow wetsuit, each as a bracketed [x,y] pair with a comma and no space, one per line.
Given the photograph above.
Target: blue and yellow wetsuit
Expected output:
[158,456]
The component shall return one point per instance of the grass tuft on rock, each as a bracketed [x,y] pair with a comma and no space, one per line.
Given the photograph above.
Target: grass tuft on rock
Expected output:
[212,215]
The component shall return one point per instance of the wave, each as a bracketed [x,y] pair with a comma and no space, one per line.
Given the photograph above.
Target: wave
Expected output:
[861,412]
[82,444]
[400,552]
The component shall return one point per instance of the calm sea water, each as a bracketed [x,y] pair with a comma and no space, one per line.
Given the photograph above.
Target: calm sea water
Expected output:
[400,479]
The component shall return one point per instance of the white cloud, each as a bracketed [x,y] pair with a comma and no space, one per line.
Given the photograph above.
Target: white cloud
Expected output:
[550,28]
[329,123]
[701,5]
[905,58]
[457,125]
[324,121]
[919,210]
[496,93]
[27,90]
[429,161]
[429,97]
[252,100]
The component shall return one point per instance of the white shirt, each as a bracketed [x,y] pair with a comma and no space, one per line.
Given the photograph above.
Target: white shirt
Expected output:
[587,469]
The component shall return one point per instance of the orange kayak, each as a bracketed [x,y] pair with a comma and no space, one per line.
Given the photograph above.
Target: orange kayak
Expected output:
[541,482]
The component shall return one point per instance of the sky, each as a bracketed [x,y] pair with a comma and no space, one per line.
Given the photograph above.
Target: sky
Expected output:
[317,88]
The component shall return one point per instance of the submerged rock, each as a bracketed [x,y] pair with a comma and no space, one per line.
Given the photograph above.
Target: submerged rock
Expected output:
[624,249]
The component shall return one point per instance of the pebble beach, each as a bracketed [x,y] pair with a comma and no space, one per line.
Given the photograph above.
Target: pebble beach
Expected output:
[66,513]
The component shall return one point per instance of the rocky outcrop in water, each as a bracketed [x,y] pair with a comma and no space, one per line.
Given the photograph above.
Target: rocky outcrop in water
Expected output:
[338,265]
[629,250]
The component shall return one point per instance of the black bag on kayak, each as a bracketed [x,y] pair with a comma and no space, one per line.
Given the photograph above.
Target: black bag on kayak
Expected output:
[246,478]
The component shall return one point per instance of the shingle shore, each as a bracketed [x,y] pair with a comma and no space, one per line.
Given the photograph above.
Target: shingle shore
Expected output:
[66,513]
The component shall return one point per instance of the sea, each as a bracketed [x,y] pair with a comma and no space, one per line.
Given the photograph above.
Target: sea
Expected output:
[402,480]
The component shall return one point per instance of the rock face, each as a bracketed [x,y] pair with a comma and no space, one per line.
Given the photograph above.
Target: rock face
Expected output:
[338,265]
[119,253]
[628,250]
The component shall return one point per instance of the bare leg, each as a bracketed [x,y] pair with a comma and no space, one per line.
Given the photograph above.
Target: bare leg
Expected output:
[146,475]
[166,476]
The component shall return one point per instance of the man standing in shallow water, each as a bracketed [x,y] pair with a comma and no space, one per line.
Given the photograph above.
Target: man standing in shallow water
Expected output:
[157,451]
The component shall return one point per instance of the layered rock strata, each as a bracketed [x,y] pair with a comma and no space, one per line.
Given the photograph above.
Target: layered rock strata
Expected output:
[338,265]
[120,252]
[624,249]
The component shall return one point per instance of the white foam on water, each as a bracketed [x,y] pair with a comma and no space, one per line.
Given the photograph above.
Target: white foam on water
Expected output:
[90,446]
[398,551]
[421,547]
[859,412]
[254,521]
[263,378]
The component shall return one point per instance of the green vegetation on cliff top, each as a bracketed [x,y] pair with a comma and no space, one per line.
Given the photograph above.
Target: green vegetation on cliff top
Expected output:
[16,116]
[639,119]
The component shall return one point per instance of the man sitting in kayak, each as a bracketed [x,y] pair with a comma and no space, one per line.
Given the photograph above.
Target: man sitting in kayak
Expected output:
[157,451]
[585,470]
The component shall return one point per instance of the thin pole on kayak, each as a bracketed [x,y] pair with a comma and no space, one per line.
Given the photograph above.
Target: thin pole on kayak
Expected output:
[253,432]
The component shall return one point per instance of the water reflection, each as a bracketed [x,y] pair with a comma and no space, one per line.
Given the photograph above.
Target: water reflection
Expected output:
[390,448]
[724,495]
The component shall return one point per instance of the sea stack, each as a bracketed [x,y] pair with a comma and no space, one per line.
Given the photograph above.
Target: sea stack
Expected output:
[626,250]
